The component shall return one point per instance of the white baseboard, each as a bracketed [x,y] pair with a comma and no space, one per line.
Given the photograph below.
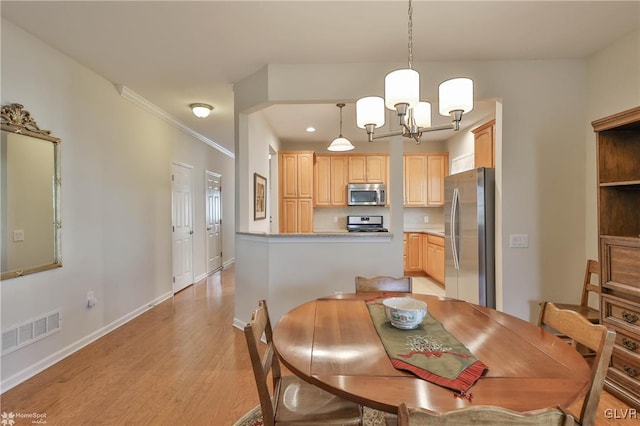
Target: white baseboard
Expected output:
[47,362]
[228,263]
[238,324]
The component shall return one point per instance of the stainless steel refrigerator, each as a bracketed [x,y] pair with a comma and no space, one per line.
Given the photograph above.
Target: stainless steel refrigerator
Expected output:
[469,213]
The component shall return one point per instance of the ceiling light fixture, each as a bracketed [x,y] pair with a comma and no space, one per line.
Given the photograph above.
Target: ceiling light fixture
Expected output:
[402,94]
[201,110]
[340,143]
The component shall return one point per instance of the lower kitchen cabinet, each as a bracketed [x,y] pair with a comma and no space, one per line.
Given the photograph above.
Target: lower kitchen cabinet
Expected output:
[435,258]
[424,255]
[413,252]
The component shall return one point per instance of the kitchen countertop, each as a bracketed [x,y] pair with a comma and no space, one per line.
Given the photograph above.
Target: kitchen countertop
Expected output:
[433,231]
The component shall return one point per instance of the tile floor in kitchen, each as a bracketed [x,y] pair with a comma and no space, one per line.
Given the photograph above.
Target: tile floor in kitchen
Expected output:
[424,285]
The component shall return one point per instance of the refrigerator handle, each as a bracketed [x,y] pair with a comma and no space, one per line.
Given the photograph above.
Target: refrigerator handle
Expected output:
[454,228]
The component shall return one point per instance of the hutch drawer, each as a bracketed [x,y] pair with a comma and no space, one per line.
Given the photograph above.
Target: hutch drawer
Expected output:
[625,366]
[621,314]
[621,268]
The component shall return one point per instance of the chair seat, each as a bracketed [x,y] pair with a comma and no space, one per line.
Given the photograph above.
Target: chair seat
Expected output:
[294,408]
[592,315]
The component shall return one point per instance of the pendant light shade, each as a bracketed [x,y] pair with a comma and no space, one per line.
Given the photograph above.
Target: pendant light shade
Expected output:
[370,111]
[401,87]
[456,95]
[340,143]
[422,114]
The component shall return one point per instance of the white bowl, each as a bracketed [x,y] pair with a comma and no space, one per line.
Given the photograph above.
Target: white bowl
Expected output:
[405,312]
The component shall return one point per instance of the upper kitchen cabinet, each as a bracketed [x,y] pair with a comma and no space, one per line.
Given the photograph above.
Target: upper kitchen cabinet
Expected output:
[367,168]
[415,180]
[618,166]
[331,176]
[437,169]
[424,179]
[484,142]
[296,191]
[296,174]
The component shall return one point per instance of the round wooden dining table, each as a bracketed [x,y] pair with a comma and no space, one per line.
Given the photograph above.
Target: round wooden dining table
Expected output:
[332,343]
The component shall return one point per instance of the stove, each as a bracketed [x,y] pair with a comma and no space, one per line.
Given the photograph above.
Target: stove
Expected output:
[365,224]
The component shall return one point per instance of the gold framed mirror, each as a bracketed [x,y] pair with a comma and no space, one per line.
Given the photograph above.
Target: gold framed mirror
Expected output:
[29,196]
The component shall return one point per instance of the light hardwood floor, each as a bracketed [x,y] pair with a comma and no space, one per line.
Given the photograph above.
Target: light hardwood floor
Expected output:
[180,363]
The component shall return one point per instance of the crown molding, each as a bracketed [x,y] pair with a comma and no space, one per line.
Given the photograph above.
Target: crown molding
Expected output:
[138,100]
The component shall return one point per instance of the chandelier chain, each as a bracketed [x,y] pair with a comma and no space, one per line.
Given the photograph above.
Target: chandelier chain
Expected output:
[410,30]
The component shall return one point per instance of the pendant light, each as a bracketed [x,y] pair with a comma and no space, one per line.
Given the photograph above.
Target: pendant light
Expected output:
[340,143]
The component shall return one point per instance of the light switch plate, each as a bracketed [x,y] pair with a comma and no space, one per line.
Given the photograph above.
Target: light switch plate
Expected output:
[519,240]
[18,235]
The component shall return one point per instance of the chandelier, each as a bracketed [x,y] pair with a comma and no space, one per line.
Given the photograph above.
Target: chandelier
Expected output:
[402,94]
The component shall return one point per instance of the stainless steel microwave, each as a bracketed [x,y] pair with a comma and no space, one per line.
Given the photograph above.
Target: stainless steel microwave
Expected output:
[366,194]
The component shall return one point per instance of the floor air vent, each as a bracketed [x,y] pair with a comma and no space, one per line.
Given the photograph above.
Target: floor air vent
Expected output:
[28,332]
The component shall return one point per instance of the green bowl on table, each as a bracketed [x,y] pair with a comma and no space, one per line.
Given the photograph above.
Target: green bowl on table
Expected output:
[405,312]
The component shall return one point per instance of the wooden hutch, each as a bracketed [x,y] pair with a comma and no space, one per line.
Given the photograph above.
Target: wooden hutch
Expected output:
[618,163]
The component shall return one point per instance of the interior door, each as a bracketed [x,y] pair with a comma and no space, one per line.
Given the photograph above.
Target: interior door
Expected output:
[214,221]
[182,225]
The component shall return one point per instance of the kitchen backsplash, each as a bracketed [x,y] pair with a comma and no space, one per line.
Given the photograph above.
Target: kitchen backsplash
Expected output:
[335,218]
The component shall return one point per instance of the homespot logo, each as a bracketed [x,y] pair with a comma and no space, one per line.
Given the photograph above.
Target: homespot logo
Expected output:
[9,419]
[621,413]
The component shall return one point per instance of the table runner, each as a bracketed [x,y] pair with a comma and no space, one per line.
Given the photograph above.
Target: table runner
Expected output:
[429,351]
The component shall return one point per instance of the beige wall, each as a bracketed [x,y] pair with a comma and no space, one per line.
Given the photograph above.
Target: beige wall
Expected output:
[116,202]
[613,85]
[541,159]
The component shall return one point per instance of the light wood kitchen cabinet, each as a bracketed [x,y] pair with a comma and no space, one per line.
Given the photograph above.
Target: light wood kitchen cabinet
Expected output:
[296,191]
[424,179]
[367,168]
[485,145]
[296,216]
[435,257]
[331,176]
[415,180]
[413,252]
[437,169]
[296,174]
[618,151]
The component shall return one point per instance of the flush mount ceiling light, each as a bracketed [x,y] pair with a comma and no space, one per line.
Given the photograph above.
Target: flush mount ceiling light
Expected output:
[340,143]
[402,94]
[201,110]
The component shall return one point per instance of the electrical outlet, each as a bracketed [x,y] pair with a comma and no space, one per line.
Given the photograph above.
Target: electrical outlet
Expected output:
[335,219]
[18,235]
[519,240]
[426,219]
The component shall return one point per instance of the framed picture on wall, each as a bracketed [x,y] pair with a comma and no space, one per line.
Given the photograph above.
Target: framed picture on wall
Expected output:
[259,197]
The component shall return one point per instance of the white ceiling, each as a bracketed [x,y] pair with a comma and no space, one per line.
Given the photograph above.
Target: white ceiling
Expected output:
[174,53]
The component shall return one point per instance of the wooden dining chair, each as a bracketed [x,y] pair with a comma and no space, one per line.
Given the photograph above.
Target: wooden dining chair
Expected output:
[384,283]
[589,286]
[289,400]
[595,337]
[483,415]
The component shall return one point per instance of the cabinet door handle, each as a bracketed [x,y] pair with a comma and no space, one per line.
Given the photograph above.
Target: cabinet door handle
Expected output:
[629,317]
[631,372]
[629,344]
